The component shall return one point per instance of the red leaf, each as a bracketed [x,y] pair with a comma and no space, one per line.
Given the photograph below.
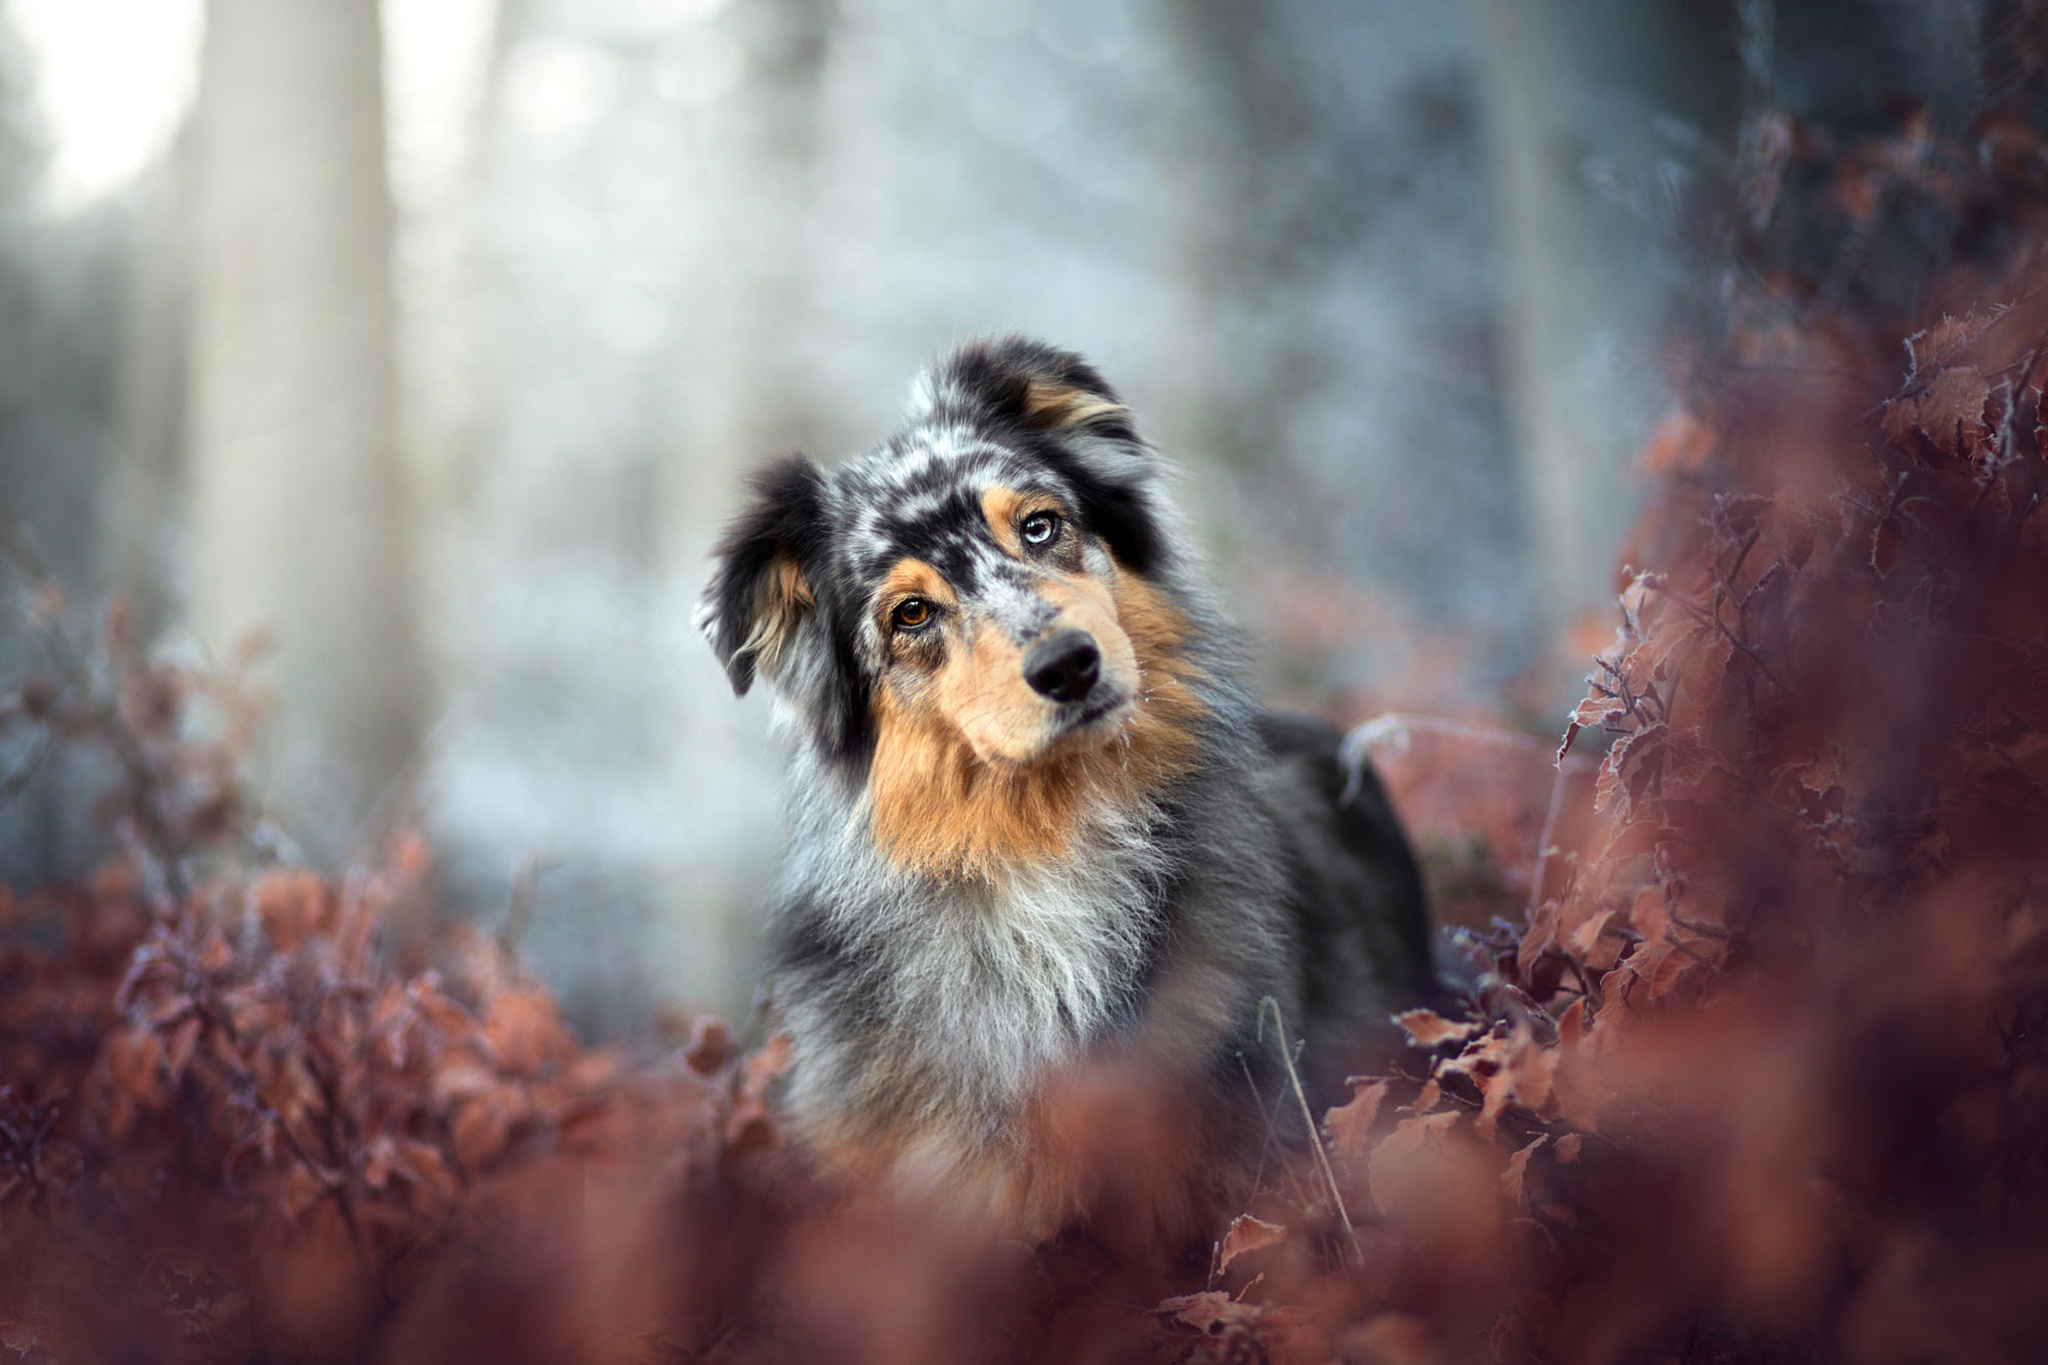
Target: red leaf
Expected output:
[1394,1161]
[1210,1313]
[710,1045]
[1247,1234]
[1350,1125]
[524,1028]
[1585,940]
[1571,1025]
[1514,1180]
[1951,412]
[480,1131]
[1427,1028]
[180,1042]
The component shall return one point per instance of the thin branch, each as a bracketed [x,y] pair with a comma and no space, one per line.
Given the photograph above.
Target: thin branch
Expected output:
[1543,842]
[1315,1136]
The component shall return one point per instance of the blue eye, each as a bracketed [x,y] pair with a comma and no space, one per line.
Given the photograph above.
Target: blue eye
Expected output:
[1040,529]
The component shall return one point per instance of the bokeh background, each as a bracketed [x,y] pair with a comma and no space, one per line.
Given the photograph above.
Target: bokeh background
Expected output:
[431,339]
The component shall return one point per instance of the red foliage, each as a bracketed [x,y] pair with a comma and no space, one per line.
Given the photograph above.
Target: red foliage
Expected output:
[1759,1075]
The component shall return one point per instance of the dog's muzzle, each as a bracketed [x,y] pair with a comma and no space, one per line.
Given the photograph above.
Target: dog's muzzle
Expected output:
[1064,666]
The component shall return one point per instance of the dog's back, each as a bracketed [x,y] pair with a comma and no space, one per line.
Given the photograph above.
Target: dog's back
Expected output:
[1356,895]
[1048,860]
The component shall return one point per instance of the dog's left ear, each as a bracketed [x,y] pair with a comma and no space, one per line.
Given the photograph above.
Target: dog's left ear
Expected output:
[1014,384]
[760,591]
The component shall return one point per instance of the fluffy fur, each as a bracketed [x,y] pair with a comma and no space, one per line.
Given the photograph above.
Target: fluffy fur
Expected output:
[1047,856]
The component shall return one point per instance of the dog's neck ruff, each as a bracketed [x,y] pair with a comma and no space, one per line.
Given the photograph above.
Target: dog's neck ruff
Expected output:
[978,985]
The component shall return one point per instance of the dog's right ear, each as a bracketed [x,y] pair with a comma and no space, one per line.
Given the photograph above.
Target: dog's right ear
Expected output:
[760,589]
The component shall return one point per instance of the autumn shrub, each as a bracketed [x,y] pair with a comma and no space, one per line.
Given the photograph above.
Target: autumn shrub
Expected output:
[1752,1065]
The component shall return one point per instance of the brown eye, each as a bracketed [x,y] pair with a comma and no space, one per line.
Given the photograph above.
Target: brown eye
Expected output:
[911,613]
[1040,529]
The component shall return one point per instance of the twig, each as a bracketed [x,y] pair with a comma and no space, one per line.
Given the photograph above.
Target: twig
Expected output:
[1315,1137]
[152,834]
[1713,619]
[1543,842]
[1272,1118]
[2006,432]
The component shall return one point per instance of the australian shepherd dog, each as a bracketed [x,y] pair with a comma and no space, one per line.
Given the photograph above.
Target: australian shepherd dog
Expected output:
[1051,871]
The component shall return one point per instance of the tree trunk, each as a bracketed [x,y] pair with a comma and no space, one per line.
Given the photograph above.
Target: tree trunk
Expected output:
[1572,86]
[740,397]
[298,493]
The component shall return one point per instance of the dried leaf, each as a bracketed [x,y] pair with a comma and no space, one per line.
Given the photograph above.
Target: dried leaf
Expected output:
[1350,1125]
[1951,412]
[1211,1312]
[524,1028]
[1395,1160]
[1936,346]
[1428,1029]
[1247,1234]
[1514,1180]
[1585,940]
[710,1046]
[1571,1025]
[180,1043]
[481,1128]
[767,1066]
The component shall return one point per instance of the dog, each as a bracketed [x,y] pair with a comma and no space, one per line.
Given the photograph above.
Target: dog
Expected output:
[1051,872]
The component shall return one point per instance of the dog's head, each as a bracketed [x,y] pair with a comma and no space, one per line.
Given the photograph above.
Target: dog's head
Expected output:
[974,604]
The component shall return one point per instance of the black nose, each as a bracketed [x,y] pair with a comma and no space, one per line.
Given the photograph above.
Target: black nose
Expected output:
[1063,666]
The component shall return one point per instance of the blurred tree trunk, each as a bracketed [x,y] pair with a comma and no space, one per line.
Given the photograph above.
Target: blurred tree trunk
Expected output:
[1330,190]
[142,503]
[292,388]
[1572,87]
[742,396]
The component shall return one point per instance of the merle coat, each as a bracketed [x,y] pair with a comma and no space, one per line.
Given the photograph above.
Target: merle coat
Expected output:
[1048,860]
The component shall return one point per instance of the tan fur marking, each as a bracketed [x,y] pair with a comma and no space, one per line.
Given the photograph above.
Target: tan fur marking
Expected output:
[779,605]
[982,693]
[963,782]
[1048,404]
[912,578]
[1004,508]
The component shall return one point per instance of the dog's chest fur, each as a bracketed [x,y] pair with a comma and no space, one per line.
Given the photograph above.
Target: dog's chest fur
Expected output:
[942,1002]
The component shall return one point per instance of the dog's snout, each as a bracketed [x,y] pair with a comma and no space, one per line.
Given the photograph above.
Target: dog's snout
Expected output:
[1063,666]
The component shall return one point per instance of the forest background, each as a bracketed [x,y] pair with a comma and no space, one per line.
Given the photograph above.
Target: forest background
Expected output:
[430,342]
[351,987]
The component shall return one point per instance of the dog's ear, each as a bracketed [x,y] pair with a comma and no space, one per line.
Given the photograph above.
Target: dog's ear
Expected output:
[760,590]
[1016,385]
[1015,379]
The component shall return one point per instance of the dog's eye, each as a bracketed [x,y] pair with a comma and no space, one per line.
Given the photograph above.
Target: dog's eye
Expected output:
[911,613]
[1040,529]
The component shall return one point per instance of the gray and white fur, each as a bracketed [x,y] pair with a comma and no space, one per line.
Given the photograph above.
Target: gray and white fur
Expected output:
[1040,831]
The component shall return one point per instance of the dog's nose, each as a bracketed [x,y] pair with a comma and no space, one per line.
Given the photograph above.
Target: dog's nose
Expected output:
[1063,666]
